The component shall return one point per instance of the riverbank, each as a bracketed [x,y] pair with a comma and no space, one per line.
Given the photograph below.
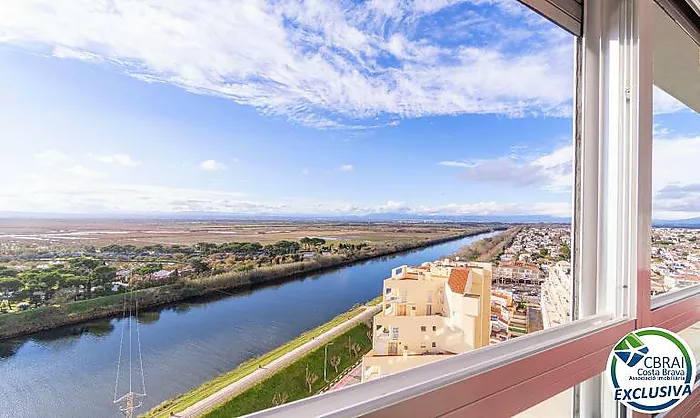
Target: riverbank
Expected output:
[220,389]
[300,379]
[489,249]
[50,317]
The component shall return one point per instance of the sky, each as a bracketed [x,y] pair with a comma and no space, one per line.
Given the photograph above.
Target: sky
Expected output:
[300,107]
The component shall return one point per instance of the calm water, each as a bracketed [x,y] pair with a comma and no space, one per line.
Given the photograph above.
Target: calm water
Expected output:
[71,372]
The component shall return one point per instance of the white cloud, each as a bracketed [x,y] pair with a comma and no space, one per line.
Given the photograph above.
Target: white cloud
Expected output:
[119,159]
[665,103]
[82,171]
[675,181]
[48,195]
[86,195]
[212,165]
[52,157]
[346,167]
[393,207]
[305,171]
[326,64]
[461,164]
[550,171]
[562,209]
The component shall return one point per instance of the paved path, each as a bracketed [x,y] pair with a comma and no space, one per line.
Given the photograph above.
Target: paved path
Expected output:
[249,380]
[353,377]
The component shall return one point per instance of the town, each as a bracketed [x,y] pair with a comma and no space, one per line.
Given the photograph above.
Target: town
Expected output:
[450,306]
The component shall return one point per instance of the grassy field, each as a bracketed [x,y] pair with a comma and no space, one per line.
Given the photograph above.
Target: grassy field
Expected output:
[78,233]
[290,383]
[183,401]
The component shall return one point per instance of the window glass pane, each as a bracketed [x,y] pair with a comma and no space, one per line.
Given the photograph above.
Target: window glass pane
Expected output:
[252,172]
[675,251]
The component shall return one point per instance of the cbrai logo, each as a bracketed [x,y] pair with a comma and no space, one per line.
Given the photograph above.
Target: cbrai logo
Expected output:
[651,370]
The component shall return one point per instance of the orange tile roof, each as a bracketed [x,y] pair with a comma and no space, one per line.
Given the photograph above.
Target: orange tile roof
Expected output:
[458,280]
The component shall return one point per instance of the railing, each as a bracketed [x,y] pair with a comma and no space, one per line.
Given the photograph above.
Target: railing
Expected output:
[399,388]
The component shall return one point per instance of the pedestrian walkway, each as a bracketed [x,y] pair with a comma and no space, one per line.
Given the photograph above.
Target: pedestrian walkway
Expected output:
[249,380]
[353,377]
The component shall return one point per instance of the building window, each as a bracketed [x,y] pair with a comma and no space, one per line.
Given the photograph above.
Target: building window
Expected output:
[434,328]
[422,344]
[388,290]
[434,345]
[422,328]
[395,333]
[429,309]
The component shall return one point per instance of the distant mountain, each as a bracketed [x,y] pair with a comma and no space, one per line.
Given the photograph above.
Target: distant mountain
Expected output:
[678,223]
[372,217]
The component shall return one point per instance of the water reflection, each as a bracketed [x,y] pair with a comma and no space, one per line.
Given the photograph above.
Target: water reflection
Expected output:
[149,317]
[9,348]
[71,371]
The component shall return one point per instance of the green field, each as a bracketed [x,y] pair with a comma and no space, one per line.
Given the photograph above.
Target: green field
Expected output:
[291,383]
[187,399]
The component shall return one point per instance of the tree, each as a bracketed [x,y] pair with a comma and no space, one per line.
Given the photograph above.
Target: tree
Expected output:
[544,252]
[50,278]
[205,247]
[565,252]
[356,349]
[199,266]
[306,242]
[84,265]
[10,284]
[279,398]
[370,334]
[148,268]
[7,272]
[335,361]
[311,378]
[74,281]
[104,274]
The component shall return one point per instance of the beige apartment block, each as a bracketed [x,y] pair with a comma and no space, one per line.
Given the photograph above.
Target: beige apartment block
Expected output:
[429,312]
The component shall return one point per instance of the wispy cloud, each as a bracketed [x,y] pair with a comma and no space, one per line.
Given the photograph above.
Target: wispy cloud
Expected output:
[347,167]
[52,157]
[551,171]
[305,171]
[328,64]
[118,159]
[462,164]
[665,103]
[82,171]
[212,165]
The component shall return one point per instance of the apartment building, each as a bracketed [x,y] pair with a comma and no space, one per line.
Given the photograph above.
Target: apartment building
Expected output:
[517,272]
[430,312]
[556,295]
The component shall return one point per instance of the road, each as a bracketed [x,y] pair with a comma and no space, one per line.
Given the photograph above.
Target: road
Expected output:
[249,380]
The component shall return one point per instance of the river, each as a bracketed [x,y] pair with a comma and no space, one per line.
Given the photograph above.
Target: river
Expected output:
[70,372]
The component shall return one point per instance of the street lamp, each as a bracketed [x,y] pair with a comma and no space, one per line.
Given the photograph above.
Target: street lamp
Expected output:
[325,363]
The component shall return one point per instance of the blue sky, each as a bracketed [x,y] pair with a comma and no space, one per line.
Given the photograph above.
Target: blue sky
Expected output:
[297,107]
